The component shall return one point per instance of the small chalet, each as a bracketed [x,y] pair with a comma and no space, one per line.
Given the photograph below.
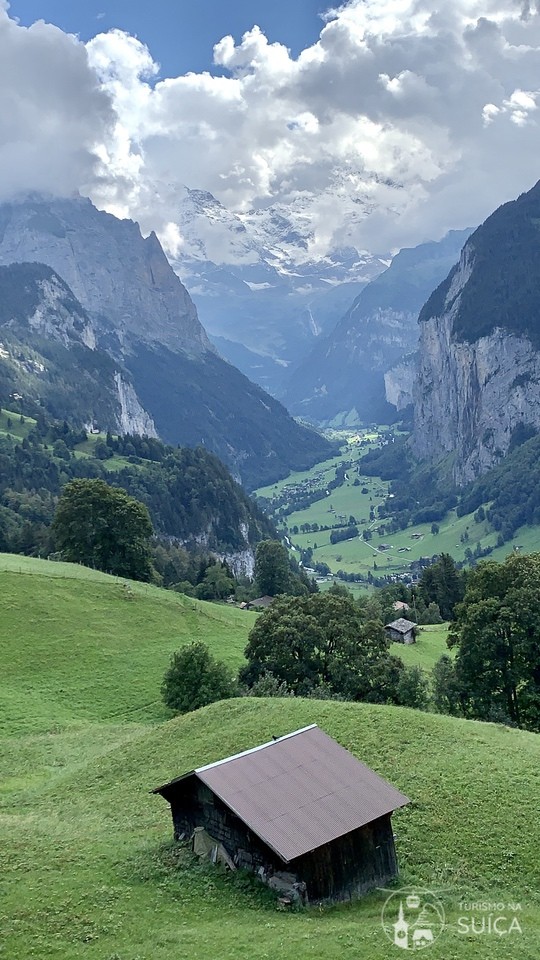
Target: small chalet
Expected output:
[300,811]
[401,631]
[261,603]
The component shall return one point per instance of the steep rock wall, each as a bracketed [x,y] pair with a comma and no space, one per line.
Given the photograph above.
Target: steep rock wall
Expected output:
[470,396]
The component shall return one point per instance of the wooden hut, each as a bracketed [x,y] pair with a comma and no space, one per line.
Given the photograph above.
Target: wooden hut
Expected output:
[402,630]
[300,811]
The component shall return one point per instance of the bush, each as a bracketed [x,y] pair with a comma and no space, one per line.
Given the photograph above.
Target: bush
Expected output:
[194,679]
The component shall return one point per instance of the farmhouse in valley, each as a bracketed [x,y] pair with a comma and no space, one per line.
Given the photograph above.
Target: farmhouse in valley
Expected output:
[401,631]
[300,811]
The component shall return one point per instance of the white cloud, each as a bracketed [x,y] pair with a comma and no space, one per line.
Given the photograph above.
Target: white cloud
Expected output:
[406,118]
[53,113]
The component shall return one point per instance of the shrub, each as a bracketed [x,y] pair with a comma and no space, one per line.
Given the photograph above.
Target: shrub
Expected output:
[194,679]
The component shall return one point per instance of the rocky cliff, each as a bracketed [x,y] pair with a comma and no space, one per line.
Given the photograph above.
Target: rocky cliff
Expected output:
[346,369]
[49,355]
[478,375]
[122,280]
[141,321]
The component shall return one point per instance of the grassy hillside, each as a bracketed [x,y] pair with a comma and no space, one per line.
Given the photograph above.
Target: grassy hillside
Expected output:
[77,644]
[88,868]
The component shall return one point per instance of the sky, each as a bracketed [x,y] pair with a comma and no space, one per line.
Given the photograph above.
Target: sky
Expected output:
[385,122]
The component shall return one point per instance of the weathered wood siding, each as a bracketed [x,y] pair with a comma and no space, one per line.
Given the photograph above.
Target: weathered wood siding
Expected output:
[351,865]
[199,807]
[341,870]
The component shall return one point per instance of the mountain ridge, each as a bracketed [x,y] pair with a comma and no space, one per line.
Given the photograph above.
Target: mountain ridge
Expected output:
[346,369]
[142,317]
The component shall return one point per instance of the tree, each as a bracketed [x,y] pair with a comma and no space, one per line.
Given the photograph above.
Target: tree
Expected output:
[195,679]
[497,638]
[413,688]
[446,687]
[272,572]
[443,584]
[322,640]
[103,527]
[216,584]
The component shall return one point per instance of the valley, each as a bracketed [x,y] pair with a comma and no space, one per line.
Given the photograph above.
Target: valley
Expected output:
[269,460]
[392,556]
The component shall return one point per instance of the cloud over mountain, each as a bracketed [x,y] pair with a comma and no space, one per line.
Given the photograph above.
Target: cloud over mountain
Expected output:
[405,119]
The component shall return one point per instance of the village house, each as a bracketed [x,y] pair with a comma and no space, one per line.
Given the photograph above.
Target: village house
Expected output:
[261,603]
[402,630]
[300,811]
[400,605]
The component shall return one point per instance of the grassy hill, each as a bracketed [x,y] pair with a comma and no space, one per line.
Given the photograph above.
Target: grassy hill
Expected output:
[81,645]
[88,868]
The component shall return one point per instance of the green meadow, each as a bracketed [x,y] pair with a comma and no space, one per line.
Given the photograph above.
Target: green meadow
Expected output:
[88,866]
[384,553]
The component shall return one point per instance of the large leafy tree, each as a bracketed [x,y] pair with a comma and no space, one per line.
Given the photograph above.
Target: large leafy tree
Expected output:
[497,637]
[275,573]
[272,571]
[322,641]
[103,527]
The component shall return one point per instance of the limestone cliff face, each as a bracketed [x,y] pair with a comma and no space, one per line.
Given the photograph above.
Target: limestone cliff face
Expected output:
[471,394]
[132,417]
[399,382]
[58,315]
[124,282]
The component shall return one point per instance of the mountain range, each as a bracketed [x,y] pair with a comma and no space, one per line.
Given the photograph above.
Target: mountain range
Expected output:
[133,319]
[343,377]
[262,290]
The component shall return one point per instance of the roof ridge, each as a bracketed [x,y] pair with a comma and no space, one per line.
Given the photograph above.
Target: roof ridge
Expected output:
[262,746]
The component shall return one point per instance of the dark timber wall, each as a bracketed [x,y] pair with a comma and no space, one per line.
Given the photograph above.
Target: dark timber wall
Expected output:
[351,865]
[341,870]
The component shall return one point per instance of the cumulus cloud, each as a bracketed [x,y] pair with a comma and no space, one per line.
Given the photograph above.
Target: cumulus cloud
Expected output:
[405,119]
[53,111]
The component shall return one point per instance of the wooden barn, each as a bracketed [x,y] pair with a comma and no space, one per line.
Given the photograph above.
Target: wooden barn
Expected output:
[402,630]
[300,811]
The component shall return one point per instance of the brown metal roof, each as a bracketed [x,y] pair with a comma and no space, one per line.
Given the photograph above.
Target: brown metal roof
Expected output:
[298,792]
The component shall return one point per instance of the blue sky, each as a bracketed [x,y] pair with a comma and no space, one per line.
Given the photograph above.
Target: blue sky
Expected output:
[181,33]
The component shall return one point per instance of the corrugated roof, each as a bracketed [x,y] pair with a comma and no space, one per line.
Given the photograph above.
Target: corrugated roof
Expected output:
[298,792]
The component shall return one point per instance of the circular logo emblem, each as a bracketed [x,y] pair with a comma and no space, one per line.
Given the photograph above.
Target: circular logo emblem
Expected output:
[413,919]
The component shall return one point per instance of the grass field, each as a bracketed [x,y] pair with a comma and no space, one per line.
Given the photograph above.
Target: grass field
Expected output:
[88,868]
[62,626]
[385,553]
[10,424]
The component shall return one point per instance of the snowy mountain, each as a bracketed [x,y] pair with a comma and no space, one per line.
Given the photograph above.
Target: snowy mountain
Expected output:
[263,291]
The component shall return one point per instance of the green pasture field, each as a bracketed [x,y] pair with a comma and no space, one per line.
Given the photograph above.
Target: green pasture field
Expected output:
[89,869]
[17,430]
[62,626]
[429,647]
[357,555]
